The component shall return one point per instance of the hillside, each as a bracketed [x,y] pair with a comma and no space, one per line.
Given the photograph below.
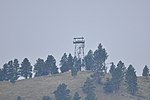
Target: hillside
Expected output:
[36,88]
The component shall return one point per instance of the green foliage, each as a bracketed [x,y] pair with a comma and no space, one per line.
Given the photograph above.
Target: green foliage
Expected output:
[64,63]
[16,69]
[76,96]
[1,75]
[50,65]
[112,68]
[10,71]
[39,67]
[89,60]
[88,88]
[19,98]
[100,56]
[26,69]
[118,75]
[131,80]
[62,93]
[70,61]
[46,98]
[145,71]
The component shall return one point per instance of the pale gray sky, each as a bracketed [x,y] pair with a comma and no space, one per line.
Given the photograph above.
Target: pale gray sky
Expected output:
[37,28]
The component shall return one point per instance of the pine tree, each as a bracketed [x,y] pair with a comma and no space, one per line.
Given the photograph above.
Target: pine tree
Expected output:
[16,69]
[89,60]
[112,68]
[76,96]
[26,69]
[100,56]
[5,71]
[118,75]
[39,67]
[10,71]
[131,80]
[70,61]
[62,93]
[50,65]
[88,88]
[145,71]
[1,75]
[64,63]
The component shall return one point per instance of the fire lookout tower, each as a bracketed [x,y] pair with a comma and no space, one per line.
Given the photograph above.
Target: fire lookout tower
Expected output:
[79,43]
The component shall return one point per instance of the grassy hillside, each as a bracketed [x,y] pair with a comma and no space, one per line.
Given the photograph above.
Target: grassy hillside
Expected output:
[36,88]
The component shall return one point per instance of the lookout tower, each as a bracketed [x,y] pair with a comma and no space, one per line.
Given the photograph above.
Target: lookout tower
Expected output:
[79,43]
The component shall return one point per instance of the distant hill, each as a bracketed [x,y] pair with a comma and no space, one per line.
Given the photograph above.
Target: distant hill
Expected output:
[36,88]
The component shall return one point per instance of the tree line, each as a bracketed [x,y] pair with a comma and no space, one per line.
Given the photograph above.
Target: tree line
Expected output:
[93,61]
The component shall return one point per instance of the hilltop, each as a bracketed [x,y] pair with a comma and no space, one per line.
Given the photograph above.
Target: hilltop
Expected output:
[36,88]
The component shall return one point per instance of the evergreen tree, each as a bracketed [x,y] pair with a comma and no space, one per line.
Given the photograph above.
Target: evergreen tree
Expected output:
[50,65]
[70,61]
[62,93]
[76,96]
[145,71]
[26,69]
[39,67]
[131,80]
[64,63]
[112,68]
[16,69]
[100,56]
[89,60]
[88,88]
[118,75]
[5,71]
[1,75]
[11,72]
[46,98]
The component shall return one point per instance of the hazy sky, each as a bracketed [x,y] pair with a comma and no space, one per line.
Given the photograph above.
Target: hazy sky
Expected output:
[38,28]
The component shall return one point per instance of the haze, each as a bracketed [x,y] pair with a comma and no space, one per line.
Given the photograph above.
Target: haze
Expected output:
[38,28]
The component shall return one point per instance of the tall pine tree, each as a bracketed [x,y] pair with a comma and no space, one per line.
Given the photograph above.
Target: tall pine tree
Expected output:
[112,68]
[131,80]
[89,60]
[70,61]
[16,69]
[64,63]
[50,65]
[100,56]
[118,75]
[39,67]
[26,68]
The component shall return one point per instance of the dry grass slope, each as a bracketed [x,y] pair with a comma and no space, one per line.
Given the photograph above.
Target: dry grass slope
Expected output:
[36,88]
